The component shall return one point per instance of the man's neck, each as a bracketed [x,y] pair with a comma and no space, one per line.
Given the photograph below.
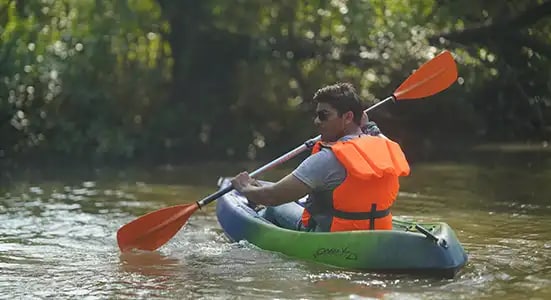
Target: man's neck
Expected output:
[356,130]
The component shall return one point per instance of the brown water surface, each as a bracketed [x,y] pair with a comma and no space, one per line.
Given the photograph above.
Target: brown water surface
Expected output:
[57,237]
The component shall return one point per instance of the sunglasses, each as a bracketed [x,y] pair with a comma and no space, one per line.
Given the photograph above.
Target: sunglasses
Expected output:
[323,115]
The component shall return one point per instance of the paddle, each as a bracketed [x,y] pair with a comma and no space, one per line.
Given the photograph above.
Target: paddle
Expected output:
[154,229]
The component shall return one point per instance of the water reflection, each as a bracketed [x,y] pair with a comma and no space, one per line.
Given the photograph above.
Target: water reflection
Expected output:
[149,263]
[355,289]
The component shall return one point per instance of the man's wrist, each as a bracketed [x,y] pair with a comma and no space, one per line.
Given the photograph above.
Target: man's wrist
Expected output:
[371,128]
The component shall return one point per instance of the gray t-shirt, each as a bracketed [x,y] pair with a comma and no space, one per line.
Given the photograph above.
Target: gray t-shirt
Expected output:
[322,171]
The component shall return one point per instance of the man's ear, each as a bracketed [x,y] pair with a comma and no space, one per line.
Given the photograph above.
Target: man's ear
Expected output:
[348,117]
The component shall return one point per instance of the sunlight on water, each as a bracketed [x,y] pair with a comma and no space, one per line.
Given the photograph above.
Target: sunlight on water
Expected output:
[57,240]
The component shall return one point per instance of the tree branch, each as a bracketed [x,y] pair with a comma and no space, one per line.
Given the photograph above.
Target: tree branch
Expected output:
[478,33]
[533,43]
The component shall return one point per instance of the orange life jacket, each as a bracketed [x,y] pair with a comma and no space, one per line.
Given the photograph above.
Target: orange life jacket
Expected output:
[373,165]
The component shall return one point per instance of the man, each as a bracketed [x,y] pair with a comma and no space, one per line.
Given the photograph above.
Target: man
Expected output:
[351,178]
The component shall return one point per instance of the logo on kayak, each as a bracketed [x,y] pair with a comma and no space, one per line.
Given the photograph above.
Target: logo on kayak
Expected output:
[343,252]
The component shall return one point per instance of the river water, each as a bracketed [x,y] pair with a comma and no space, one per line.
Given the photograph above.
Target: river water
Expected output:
[57,237]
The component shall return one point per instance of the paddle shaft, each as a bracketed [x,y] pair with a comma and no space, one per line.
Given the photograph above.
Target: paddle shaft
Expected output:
[283,158]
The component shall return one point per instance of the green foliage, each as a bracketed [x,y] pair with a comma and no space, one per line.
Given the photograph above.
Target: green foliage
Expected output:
[79,77]
[211,79]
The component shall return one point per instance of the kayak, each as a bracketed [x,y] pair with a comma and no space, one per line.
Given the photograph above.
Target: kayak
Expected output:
[428,248]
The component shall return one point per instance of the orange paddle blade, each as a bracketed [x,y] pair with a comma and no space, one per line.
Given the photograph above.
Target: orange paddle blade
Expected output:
[154,229]
[432,77]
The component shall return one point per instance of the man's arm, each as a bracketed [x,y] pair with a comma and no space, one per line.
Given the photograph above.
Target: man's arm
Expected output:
[288,189]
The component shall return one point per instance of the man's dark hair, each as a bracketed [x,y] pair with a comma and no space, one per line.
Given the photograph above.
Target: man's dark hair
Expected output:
[343,97]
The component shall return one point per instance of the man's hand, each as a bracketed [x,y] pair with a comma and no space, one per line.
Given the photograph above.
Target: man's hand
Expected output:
[242,181]
[371,129]
[286,190]
[364,120]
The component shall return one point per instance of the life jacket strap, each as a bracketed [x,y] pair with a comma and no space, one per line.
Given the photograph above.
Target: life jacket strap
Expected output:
[371,215]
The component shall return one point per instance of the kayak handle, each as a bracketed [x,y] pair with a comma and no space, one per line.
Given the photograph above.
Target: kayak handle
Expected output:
[440,242]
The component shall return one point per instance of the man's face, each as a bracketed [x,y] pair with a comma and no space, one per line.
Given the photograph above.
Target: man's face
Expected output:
[330,125]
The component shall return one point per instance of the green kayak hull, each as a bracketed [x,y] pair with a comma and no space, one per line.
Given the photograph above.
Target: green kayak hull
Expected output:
[405,249]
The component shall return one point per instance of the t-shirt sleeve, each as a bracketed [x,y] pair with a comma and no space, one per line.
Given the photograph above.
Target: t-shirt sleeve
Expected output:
[321,171]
